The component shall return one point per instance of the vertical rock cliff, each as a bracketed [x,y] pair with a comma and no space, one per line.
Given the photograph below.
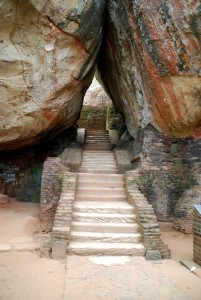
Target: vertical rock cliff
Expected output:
[151,64]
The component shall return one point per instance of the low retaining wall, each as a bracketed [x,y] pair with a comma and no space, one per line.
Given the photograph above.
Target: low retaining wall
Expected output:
[52,178]
[63,217]
[146,219]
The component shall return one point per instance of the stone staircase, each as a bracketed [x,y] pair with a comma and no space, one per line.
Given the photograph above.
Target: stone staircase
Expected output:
[103,221]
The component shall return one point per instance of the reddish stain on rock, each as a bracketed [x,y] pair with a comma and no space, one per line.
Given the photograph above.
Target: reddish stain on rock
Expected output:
[153,53]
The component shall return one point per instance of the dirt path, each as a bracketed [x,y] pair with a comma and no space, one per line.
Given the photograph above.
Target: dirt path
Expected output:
[25,275]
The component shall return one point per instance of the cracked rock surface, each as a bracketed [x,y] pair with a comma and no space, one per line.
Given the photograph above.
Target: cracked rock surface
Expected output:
[47,56]
[152,49]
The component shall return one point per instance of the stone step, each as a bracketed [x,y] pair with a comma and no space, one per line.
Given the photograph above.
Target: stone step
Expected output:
[98,132]
[99,184]
[96,148]
[91,158]
[103,217]
[104,155]
[98,159]
[105,227]
[106,161]
[97,140]
[105,237]
[97,144]
[100,164]
[99,167]
[100,177]
[100,171]
[100,198]
[100,192]
[104,207]
[84,248]
[100,153]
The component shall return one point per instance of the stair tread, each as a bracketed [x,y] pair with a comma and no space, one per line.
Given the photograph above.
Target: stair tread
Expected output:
[100,204]
[101,175]
[104,234]
[106,224]
[101,197]
[98,189]
[115,215]
[102,245]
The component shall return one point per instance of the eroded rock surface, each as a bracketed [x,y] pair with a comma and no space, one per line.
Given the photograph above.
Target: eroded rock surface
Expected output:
[151,63]
[47,55]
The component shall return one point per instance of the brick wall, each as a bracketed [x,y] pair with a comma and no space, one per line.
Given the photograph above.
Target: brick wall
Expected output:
[197,234]
[146,217]
[63,216]
[21,170]
[183,213]
[169,167]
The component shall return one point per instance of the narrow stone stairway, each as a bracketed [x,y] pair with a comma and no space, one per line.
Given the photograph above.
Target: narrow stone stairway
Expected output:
[103,221]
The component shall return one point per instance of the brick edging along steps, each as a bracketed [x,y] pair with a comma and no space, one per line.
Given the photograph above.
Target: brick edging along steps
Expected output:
[146,219]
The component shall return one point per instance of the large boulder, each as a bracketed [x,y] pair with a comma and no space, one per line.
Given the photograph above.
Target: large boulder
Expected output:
[47,56]
[150,64]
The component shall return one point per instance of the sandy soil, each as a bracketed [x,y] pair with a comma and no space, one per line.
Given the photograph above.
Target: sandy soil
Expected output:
[25,275]
[19,221]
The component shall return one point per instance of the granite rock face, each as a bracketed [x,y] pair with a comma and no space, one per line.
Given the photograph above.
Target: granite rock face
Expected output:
[151,64]
[47,56]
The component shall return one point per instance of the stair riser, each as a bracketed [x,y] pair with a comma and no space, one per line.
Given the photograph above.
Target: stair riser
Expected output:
[105,228]
[100,184]
[100,198]
[106,239]
[103,219]
[102,153]
[97,171]
[97,160]
[100,145]
[97,140]
[92,148]
[104,210]
[119,252]
[99,192]
[100,177]
[100,166]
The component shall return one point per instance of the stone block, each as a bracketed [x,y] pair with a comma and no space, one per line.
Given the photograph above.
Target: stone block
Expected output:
[73,157]
[59,248]
[153,255]
[45,246]
[80,136]
[123,158]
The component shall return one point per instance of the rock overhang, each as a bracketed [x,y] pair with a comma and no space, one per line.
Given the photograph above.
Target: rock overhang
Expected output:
[149,63]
